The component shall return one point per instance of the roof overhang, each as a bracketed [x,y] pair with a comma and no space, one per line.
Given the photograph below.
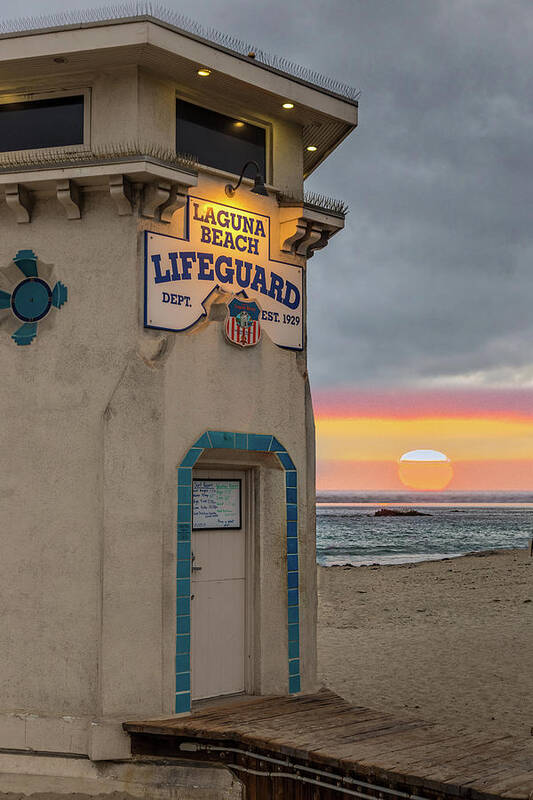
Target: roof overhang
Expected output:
[326,117]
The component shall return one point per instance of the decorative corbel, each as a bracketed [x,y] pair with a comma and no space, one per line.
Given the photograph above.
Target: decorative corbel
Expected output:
[68,195]
[312,235]
[154,196]
[19,201]
[305,229]
[322,242]
[176,201]
[120,191]
[291,232]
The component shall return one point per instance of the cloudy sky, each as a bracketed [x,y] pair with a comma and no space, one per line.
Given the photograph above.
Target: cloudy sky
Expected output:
[430,287]
[432,280]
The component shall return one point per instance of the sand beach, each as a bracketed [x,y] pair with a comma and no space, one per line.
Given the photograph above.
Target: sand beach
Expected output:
[448,641]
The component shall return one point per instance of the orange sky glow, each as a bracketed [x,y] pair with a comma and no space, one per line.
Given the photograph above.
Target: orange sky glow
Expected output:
[487,434]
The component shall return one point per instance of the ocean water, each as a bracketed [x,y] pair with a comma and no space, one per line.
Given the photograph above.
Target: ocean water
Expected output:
[456,523]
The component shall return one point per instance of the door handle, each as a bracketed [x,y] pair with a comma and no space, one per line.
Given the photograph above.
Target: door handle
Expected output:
[194,569]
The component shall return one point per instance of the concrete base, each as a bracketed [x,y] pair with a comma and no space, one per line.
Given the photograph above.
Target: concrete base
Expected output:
[35,732]
[66,735]
[50,777]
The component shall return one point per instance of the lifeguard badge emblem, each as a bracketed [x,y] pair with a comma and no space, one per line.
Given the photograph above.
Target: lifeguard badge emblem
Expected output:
[242,322]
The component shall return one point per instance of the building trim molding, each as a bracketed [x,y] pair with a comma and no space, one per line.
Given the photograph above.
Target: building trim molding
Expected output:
[250,442]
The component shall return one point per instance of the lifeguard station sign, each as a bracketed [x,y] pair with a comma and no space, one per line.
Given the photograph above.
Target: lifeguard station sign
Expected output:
[226,249]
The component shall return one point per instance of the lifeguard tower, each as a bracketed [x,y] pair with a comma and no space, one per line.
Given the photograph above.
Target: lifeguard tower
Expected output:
[158,489]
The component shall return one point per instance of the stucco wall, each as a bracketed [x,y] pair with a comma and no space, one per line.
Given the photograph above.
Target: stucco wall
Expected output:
[96,414]
[54,396]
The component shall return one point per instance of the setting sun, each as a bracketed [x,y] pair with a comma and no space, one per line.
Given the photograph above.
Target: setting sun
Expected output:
[426,470]
[487,435]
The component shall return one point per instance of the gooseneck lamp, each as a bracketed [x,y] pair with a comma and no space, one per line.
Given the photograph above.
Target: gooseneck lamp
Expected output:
[259,181]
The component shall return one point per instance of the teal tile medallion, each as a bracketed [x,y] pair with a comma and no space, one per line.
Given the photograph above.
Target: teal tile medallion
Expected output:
[233,441]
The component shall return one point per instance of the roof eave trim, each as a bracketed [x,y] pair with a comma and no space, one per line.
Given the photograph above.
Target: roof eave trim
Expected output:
[338,141]
[189,35]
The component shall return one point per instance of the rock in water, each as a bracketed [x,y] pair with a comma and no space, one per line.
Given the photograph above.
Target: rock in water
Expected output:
[393,512]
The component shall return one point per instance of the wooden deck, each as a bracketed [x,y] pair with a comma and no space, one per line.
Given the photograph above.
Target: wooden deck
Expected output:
[319,747]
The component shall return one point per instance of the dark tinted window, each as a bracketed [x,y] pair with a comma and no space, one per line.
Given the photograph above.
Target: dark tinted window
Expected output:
[41,123]
[218,141]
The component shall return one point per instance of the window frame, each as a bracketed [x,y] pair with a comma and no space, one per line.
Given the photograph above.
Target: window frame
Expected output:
[236,114]
[8,98]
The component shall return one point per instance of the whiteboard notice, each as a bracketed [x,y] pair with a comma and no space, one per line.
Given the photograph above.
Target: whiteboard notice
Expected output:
[216,504]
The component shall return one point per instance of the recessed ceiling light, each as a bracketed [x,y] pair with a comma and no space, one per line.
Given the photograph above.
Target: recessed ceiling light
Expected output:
[204,73]
[239,124]
[288,105]
[311,148]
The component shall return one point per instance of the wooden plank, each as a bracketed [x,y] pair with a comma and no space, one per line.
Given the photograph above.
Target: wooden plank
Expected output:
[396,751]
[231,712]
[306,746]
[463,746]
[407,750]
[309,722]
[170,722]
[258,708]
[454,756]
[202,725]
[256,716]
[294,717]
[279,731]
[508,753]
[291,745]
[323,730]
[506,779]
[448,750]
[517,790]
[347,750]
[261,725]
[469,772]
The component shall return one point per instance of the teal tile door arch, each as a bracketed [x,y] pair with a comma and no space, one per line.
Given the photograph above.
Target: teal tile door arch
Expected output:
[232,441]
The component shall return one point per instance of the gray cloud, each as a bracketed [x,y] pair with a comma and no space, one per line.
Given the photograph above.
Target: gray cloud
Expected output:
[432,279]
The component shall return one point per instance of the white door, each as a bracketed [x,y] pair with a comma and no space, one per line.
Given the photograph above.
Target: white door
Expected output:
[218,606]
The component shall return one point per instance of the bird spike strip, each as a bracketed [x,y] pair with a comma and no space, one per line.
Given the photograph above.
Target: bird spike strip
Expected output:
[111,152]
[319,201]
[327,203]
[144,9]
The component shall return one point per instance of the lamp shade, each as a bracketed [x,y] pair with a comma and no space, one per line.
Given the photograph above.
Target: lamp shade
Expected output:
[259,185]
